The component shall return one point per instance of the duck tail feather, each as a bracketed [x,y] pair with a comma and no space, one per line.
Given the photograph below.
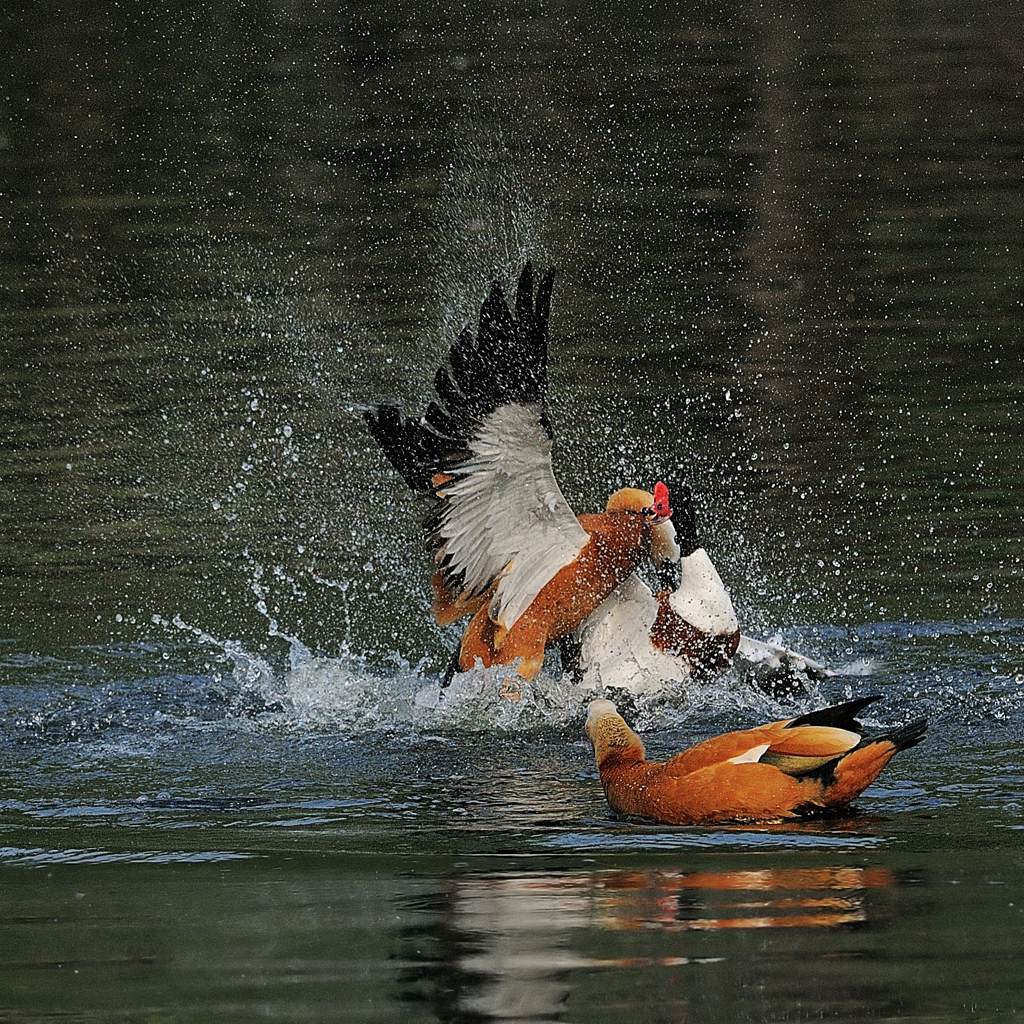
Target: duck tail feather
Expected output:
[839,716]
[903,737]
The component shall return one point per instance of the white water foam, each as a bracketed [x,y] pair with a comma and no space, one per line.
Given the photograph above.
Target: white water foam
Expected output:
[348,694]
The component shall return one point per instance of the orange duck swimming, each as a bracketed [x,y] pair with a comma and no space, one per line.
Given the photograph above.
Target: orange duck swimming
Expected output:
[509,550]
[815,763]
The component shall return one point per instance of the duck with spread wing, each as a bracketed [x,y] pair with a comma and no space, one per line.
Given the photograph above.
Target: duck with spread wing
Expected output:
[510,552]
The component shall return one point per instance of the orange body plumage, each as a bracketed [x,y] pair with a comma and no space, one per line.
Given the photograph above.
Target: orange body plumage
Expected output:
[811,764]
[618,541]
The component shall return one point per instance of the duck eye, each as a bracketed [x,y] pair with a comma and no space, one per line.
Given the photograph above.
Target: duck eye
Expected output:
[648,512]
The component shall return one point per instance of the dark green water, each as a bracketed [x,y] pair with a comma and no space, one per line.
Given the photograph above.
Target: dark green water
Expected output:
[791,250]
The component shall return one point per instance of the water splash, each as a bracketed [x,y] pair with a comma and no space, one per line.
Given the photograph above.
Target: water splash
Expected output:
[487,225]
[250,672]
[348,694]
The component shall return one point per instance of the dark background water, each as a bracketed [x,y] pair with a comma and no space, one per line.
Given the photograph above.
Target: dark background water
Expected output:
[790,257]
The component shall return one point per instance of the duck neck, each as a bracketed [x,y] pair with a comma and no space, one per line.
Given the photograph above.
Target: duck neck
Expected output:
[615,744]
[701,598]
[620,539]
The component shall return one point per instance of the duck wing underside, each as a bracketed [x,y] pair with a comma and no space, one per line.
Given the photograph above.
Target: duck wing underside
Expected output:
[500,526]
[763,659]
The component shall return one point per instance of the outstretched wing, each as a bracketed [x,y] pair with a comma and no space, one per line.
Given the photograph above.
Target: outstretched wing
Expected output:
[501,525]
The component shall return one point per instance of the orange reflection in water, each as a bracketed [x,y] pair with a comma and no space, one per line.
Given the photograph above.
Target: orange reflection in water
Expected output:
[508,947]
[711,900]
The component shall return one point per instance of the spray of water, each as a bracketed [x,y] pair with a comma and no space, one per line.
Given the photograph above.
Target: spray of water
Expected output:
[487,224]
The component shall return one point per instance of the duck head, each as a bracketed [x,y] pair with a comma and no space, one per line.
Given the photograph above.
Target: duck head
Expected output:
[610,736]
[653,507]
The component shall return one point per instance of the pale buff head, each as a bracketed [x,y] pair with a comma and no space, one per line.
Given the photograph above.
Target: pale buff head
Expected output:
[654,507]
[610,735]
[630,499]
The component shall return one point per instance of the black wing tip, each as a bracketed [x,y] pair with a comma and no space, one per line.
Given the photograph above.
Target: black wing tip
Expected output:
[524,293]
[504,363]
[495,296]
[541,301]
[410,445]
[377,420]
[843,716]
[904,737]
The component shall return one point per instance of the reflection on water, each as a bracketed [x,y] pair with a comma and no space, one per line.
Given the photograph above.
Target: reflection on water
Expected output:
[541,946]
[326,936]
[756,898]
[499,947]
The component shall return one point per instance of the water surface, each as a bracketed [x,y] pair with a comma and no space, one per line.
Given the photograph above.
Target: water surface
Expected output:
[790,256]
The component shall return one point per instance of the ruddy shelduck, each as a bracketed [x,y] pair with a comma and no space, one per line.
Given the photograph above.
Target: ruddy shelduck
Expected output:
[509,550]
[818,762]
[638,641]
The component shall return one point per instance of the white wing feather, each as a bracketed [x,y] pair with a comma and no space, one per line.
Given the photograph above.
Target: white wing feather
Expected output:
[615,644]
[505,517]
[763,656]
[751,756]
